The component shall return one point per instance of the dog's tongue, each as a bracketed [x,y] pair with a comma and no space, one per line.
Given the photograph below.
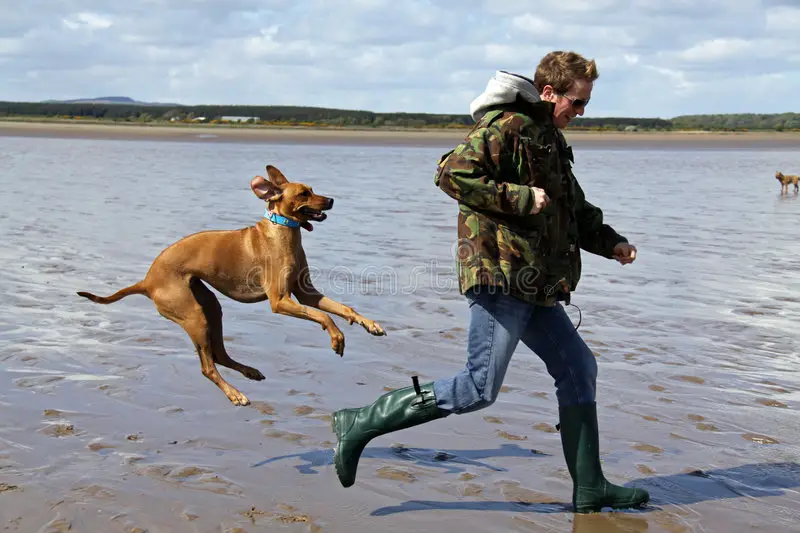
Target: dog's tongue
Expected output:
[307,226]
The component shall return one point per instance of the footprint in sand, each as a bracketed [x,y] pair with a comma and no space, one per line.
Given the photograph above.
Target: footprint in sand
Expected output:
[472,489]
[510,436]
[657,388]
[57,525]
[287,515]
[58,430]
[706,427]
[513,492]
[95,492]
[691,379]
[263,408]
[100,446]
[546,428]
[647,448]
[303,410]
[466,476]
[759,439]
[771,403]
[193,477]
[492,419]
[646,470]
[696,418]
[171,410]
[395,474]
[650,418]
[285,435]
[295,392]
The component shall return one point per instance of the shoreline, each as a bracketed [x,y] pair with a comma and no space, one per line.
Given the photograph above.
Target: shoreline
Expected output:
[61,129]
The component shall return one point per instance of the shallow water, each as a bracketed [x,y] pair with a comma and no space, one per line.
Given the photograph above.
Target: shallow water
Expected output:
[108,424]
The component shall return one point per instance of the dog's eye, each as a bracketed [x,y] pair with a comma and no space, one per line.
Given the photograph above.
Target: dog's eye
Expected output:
[305,194]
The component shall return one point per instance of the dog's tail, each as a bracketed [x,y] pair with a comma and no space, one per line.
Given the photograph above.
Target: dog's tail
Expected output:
[136,288]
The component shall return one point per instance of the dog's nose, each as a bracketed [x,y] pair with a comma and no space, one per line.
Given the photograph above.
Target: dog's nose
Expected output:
[330,203]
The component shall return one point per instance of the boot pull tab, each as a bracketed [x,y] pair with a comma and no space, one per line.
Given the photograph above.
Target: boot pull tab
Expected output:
[415,380]
[421,400]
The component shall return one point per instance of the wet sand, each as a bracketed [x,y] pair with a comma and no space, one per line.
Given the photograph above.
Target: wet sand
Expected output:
[375,137]
[109,425]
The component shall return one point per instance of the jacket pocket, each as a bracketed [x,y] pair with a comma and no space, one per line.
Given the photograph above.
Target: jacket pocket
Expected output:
[540,160]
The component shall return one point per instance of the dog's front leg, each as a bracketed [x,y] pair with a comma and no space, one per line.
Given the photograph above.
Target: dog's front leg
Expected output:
[324,303]
[307,294]
[284,305]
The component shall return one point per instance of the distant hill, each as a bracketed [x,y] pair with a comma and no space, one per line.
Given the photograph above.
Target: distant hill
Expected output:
[126,109]
[122,100]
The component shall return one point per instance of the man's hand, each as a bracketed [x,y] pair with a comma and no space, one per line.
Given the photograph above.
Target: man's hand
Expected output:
[540,200]
[625,253]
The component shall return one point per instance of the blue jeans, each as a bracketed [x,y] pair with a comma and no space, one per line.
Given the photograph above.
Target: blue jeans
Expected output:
[497,323]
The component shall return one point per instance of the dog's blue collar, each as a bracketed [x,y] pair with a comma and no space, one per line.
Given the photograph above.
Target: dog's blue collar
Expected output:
[281,220]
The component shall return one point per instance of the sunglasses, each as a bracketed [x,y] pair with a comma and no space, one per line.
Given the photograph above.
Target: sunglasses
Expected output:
[577,103]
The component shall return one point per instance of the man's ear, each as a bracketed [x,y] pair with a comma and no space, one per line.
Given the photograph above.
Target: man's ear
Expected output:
[548,93]
[265,189]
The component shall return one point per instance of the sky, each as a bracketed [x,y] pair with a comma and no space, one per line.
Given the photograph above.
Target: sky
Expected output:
[656,58]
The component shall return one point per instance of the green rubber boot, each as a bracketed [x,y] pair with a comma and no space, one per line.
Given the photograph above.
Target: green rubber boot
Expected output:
[399,409]
[591,490]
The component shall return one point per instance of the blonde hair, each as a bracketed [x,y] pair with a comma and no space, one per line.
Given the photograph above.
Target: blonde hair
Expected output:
[560,69]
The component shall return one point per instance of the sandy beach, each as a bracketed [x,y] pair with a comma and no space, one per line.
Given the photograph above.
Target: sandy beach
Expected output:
[109,426]
[376,137]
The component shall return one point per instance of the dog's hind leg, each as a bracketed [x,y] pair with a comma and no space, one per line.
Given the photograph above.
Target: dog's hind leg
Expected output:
[176,302]
[213,311]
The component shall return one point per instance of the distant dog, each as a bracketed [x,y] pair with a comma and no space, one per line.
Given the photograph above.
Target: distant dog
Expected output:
[787,179]
[261,262]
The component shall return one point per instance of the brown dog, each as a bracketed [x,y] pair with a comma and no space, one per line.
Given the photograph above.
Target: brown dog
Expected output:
[787,179]
[253,264]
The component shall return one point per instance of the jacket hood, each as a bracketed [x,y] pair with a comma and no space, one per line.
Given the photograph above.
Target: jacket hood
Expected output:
[503,88]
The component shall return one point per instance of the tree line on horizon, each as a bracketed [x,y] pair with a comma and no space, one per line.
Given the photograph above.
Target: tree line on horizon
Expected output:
[326,117]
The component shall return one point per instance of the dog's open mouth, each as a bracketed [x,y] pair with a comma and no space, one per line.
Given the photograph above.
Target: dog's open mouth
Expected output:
[313,214]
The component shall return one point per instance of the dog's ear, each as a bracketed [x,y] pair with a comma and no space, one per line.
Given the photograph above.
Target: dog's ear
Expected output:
[264,189]
[276,176]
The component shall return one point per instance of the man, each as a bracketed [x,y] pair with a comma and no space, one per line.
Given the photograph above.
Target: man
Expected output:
[522,221]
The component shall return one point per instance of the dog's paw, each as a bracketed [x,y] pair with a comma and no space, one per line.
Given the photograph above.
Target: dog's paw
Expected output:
[252,373]
[237,398]
[337,342]
[374,328]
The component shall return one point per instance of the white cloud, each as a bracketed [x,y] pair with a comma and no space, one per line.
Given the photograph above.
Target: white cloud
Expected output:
[88,21]
[533,24]
[784,19]
[388,55]
[10,46]
[715,49]
[678,79]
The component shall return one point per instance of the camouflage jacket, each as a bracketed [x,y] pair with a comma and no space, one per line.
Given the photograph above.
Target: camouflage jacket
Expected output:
[500,244]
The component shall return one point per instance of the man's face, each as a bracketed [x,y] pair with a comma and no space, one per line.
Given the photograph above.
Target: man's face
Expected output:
[570,104]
